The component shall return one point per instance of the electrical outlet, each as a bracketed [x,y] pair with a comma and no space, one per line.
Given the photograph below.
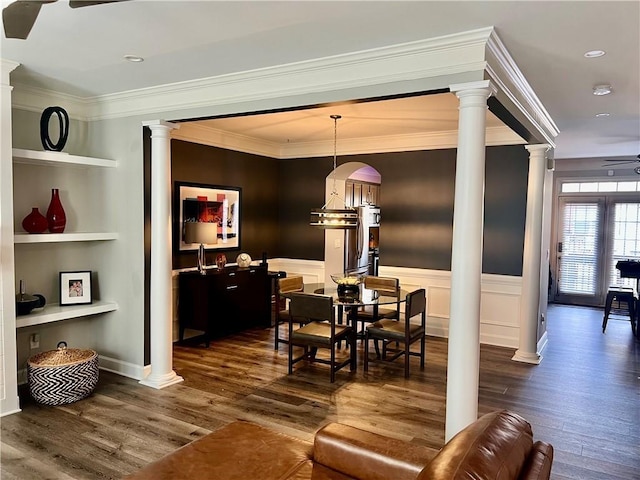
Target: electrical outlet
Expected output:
[337,243]
[34,341]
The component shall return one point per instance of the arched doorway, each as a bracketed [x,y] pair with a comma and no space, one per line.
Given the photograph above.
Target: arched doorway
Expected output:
[355,173]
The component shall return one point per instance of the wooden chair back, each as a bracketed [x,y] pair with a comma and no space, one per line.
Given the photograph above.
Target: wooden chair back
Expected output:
[416,304]
[311,307]
[290,284]
[387,285]
[400,333]
[295,283]
[319,331]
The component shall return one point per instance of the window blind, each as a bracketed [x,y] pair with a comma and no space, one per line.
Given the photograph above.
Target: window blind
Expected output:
[580,248]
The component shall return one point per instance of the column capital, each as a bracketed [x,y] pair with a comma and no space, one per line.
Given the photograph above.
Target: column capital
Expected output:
[486,85]
[539,151]
[159,125]
[540,147]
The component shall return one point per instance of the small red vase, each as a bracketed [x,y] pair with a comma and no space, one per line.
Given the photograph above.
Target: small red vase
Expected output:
[56,217]
[35,222]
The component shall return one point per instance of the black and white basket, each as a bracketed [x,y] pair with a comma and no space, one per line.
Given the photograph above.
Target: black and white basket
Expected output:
[62,376]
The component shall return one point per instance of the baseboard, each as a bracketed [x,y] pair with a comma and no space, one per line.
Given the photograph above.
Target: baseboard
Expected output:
[543,342]
[126,369]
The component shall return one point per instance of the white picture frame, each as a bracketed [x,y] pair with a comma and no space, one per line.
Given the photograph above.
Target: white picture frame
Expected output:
[75,288]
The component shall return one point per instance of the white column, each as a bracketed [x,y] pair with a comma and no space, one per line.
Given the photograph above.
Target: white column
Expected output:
[162,374]
[466,258]
[530,298]
[9,401]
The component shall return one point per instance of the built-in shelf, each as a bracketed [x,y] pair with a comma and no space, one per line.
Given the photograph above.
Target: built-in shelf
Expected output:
[63,237]
[54,313]
[35,157]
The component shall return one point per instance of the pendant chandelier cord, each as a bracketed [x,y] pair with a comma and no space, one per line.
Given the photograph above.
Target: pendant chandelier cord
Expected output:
[338,216]
[334,191]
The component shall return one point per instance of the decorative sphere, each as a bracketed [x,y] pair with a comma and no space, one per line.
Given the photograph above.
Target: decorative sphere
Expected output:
[243,260]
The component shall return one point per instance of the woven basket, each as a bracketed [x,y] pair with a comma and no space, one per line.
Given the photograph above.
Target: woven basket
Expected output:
[62,376]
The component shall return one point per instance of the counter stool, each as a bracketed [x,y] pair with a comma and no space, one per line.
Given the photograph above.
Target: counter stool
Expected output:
[620,294]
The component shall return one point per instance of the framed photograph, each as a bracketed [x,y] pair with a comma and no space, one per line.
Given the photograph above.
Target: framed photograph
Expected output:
[206,214]
[75,288]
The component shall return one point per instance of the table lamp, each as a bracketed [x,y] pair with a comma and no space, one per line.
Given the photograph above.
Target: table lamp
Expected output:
[202,233]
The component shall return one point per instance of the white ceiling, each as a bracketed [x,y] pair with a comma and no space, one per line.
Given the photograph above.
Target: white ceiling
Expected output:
[80,52]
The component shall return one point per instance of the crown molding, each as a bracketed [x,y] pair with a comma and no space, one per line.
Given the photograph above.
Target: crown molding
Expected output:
[34,99]
[204,135]
[472,56]
[429,61]
[197,133]
[504,72]
[6,67]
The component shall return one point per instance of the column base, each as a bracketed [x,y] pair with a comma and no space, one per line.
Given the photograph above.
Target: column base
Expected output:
[526,357]
[161,381]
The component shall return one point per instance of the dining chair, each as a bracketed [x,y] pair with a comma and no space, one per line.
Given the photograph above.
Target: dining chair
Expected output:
[384,286]
[319,331]
[403,333]
[283,286]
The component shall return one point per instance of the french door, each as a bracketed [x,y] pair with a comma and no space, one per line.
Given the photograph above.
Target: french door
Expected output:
[594,233]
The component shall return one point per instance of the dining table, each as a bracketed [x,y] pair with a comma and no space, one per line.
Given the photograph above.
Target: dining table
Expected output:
[349,302]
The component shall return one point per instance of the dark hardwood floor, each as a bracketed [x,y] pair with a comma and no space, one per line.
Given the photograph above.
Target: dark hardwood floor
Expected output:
[584,398]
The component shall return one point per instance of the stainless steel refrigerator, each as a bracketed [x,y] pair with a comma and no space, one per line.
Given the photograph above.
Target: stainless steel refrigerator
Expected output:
[361,252]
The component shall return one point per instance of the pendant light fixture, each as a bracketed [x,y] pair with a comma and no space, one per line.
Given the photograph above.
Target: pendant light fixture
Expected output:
[330,216]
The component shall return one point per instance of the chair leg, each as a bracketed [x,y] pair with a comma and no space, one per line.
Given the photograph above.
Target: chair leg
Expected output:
[607,310]
[353,353]
[377,347]
[276,334]
[290,345]
[422,352]
[407,356]
[333,363]
[366,351]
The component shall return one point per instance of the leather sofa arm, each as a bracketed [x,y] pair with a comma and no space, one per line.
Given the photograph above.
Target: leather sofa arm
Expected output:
[539,462]
[368,456]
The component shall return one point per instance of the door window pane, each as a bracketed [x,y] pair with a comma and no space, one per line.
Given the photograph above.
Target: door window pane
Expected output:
[579,257]
[626,241]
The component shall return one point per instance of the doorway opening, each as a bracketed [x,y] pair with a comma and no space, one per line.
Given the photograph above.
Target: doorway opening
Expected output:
[595,230]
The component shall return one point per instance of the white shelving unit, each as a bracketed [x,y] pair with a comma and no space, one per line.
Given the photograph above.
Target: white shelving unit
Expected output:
[64,237]
[34,157]
[55,313]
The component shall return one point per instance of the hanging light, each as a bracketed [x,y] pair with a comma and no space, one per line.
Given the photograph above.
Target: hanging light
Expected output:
[329,216]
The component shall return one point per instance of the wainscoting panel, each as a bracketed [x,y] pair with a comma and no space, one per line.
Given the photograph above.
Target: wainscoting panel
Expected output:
[499,301]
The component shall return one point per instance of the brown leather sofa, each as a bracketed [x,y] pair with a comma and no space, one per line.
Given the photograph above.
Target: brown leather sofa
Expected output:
[498,446]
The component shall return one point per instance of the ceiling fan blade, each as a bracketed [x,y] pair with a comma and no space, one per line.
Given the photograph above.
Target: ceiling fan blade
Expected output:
[619,163]
[88,3]
[18,17]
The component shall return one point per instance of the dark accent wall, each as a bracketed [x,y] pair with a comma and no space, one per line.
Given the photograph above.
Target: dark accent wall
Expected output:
[417,197]
[505,208]
[257,177]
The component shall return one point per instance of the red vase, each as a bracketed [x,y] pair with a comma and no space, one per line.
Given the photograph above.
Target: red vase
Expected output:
[56,217]
[35,222]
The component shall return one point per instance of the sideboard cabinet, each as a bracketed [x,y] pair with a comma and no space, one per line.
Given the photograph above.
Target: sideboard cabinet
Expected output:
[225,301]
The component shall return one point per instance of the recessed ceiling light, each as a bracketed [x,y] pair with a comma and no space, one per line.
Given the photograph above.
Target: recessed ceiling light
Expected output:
[603,114]
[602,90]
[133,58]
[594,53]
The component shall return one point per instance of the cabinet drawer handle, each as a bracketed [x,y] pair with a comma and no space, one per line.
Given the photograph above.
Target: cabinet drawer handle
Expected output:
[232,274]
[232,287]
